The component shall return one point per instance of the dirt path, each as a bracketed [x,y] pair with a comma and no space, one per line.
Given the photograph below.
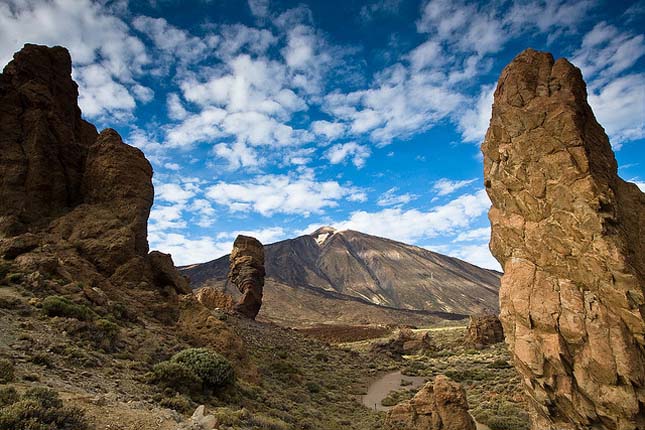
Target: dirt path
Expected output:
[381,387]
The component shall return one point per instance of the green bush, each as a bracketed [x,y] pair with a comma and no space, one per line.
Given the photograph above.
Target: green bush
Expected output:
[312,387]
[39,409]
[178,403]
[213,369]
[6,371]
[105,334]
[176,376]
[8,396]
[57,306]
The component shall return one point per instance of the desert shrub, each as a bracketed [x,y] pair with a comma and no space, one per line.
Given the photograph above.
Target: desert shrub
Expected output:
[8,396]
[269,423]
[178,403]
[40,409]
[213,369]
[6,371]
[105,334]
[5,268]
[42,360]
[121,313]
[177,376]
[58,306]
[312,387]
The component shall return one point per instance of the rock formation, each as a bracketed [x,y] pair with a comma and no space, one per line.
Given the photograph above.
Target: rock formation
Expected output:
[570,235]
[404,342]
[74,204]
[214,299]
[247,274]
[440,405]
[484,330]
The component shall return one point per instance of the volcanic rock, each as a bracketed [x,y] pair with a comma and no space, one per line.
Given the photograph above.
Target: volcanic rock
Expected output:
[247,274]
[214,299]
[484,330]
[570,235]
[440,405]
[74,204]
[404,342]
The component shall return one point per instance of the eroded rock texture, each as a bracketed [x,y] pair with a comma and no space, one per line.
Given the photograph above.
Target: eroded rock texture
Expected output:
[246,272]
[570,235]
[74,204]
[440,405]
[484,330]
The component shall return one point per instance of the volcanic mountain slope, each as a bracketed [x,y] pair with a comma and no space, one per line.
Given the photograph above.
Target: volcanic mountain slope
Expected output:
[353,265]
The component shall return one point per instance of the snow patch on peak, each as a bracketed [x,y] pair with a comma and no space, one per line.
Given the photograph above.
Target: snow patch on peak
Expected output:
[322,234]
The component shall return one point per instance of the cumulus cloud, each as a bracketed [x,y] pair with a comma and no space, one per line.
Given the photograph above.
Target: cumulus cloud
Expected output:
[358,154]
[474,122]
[476,234]
[413,225]
[287,194]
[445,186]
[107,56]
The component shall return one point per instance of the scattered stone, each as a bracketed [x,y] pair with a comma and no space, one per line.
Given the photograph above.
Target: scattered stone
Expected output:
[247,274]
[484,330]
[440,405]
[569,234]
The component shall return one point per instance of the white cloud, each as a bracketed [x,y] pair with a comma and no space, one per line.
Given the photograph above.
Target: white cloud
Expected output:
[479,255]
[330,130]
[174,193]
[445,186]
[412,225]
[264,235]
[106,56]
[176,109]
[474,122]
[620,108]
[390,198]
[259,8]
[287,194]
[476,234]
[186,250]
[352,150]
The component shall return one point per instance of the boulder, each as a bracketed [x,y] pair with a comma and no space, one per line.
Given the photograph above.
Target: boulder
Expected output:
[484,330]
[570,235]
[440,405]
[404,342]
[246,272]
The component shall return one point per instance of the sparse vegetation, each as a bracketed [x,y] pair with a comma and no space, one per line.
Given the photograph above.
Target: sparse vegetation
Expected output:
[6,371]
[211,368]
[38,409]
[59,306]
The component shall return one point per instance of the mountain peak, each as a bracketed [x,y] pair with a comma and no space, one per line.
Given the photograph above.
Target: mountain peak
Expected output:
[322,234]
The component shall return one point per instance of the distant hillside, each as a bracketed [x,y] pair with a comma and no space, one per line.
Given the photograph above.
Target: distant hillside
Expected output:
[349,264]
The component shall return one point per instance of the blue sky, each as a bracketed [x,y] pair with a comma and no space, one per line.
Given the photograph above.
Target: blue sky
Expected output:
[275,117]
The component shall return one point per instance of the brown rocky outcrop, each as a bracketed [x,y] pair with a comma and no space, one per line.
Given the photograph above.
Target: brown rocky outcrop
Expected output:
[213,298]
[440,405]
[404,342]
[570,235]
[74,204]
[484,330]
[247,274]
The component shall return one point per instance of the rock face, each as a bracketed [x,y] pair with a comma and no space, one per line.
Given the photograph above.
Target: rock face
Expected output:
[484,330]
[439,405]
[247,274]
[214,299]
[73,203]
[570,235]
